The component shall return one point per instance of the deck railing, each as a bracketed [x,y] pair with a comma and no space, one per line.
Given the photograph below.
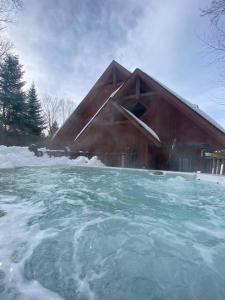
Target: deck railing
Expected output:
[211,163]
[216,162]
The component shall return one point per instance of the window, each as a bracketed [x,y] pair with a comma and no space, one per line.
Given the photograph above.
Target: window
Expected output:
[138,110]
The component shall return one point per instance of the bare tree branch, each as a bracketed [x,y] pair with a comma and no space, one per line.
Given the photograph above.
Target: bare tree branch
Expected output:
[51,106]
[67,106]
[8,8]
[56,110]
[5,47]
[215,41]
[215,11]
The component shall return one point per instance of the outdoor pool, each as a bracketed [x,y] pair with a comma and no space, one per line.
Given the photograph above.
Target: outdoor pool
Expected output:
[97,233]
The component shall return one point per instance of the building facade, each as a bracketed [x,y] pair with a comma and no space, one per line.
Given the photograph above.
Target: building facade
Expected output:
[131,120]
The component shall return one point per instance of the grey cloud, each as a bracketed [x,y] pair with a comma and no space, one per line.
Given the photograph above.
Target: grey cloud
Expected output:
[78,38]
[66,44]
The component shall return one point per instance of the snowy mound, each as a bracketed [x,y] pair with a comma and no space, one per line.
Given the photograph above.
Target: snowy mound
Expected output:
[11,157]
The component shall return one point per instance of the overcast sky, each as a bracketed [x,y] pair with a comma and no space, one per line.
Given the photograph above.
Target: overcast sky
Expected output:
[65,45]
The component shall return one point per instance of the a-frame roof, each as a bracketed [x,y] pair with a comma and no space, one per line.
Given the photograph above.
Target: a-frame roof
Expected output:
[141,126]
[192,111]
[97,93]
[123,72]
[95,115]
[185,102]
[102,80]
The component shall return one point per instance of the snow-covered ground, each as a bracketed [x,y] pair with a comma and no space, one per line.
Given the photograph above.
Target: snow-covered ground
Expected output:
[12,157]
[218,179]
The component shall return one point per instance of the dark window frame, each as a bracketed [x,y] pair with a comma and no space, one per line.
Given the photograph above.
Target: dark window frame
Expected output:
[138,110]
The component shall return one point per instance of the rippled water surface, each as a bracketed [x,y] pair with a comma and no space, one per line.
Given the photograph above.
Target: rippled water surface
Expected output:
[87,233]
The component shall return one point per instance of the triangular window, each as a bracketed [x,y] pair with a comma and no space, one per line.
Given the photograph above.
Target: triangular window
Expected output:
[138,110]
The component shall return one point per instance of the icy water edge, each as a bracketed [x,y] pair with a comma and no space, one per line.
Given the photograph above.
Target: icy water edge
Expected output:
[90,233]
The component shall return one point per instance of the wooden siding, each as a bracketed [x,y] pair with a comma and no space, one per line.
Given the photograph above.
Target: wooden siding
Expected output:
[114,137]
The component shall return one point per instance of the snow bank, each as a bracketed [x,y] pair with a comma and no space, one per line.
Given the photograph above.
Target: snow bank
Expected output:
[11,157]
[218,179]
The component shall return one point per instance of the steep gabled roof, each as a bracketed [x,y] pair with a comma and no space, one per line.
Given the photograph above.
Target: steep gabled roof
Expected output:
[124,73]
[187,103]
[140,125]
[96,114]
[79,126]
[75,122]
[189,108]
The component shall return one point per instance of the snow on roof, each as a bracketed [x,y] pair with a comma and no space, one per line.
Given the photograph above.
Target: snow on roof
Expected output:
[194,107]
[141,123]
[95,115]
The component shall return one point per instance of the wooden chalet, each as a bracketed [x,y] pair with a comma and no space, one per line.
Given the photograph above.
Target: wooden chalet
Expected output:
[131,120]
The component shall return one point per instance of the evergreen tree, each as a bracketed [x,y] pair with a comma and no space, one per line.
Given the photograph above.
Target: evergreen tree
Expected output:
[12,98]
[36,121]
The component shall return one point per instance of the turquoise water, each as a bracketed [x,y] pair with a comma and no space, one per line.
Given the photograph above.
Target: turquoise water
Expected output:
[90,233]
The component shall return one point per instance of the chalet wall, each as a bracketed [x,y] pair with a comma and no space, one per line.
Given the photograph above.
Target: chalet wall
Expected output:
[170,123]
[111,139]
[82,114]
[111,135]
[116,139]
[108,82]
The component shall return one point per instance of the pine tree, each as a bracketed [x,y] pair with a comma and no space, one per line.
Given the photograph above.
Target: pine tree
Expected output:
[36,121]
[12,98]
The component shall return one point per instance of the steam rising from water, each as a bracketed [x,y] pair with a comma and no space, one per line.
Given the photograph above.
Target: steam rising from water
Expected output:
[82,233]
